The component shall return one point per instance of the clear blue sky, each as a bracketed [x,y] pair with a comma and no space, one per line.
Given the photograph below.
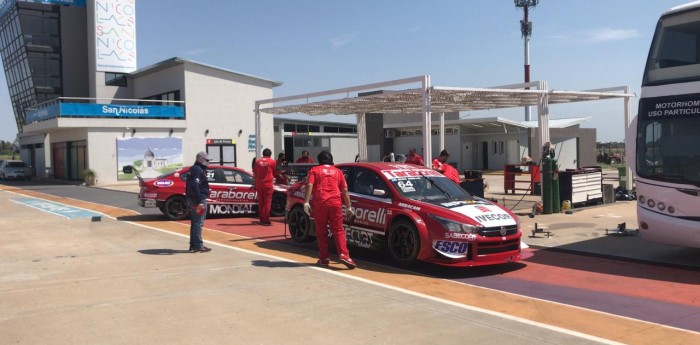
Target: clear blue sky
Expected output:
[314,45]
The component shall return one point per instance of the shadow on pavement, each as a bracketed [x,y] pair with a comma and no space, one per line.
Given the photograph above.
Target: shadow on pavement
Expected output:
[381,262]
[276,264]
[163,251]
[143,218]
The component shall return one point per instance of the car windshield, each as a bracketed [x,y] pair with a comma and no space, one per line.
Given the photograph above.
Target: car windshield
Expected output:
[16,165]
[428,188]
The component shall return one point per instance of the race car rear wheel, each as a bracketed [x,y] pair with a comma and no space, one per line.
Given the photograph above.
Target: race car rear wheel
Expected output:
[300,225]
[404,242]
[176,208]
[279,201]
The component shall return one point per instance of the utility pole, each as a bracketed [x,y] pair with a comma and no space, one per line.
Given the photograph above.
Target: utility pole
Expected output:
[526,30]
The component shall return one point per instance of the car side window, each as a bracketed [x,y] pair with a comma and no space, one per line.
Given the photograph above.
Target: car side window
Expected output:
[233,176]
[366,181]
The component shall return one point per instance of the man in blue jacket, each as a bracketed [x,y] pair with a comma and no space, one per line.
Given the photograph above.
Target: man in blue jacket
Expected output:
[197,192]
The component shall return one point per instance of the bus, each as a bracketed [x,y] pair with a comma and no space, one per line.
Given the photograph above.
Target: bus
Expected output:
[666,132]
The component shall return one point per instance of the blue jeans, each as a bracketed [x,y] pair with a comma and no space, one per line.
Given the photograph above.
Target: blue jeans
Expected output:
[197,222]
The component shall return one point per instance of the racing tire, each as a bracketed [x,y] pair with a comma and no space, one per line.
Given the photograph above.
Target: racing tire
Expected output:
[279,202]
[403,242]
[301,227]
[176,208]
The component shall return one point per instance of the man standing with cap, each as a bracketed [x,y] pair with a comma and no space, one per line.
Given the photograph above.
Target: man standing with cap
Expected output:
[440,164]
[263,174]
[197,191]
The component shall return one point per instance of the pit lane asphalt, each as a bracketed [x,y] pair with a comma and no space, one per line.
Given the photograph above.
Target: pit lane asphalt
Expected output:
[78,192]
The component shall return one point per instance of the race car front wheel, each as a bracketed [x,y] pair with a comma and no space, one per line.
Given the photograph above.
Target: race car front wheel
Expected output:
[300,225]
[176,208]
[403,242]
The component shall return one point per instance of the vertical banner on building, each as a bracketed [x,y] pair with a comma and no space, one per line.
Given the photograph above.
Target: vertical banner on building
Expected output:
[115,35]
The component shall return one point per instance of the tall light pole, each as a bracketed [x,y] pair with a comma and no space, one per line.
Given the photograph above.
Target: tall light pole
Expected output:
[526,30]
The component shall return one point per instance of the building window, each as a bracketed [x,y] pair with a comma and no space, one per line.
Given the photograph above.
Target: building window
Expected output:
[115,79]
[167,99]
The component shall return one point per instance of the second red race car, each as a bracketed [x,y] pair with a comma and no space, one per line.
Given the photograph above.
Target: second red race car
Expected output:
[231,193]
[416,214]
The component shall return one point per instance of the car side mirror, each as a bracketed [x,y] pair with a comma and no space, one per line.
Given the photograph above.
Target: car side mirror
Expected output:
[128,169]
[379,192]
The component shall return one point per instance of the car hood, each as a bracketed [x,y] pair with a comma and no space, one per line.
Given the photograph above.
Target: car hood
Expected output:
[478,211]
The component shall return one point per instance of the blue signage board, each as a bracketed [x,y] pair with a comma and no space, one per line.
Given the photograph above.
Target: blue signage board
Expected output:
[81,3]
[105,110]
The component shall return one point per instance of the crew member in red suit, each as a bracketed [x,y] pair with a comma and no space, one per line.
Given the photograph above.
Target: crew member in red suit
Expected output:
[263,173]
[414,158]
[440,164]
[327,183]
[304,158]
[280,177]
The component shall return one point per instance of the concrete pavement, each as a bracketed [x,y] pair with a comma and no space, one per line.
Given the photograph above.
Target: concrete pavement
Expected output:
[81,281]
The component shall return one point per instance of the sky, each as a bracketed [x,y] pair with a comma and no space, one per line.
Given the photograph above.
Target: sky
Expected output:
[316,45]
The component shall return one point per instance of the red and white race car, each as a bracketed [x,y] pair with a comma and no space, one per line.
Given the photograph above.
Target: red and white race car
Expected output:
[231,193]
[417,214]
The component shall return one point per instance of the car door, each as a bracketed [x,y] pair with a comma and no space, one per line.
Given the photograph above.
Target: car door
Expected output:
[233,190]
[370,199]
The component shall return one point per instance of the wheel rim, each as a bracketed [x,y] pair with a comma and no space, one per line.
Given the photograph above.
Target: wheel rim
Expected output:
[299,224]
[403,242]
[177,208]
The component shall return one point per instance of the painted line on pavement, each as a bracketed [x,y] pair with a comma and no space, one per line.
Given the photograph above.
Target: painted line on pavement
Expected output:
[57,209]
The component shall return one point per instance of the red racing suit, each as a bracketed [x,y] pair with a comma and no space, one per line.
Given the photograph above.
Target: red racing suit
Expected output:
[326,207]
[264,170]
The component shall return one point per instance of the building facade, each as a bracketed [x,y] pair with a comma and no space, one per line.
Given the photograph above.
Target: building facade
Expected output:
[80,102]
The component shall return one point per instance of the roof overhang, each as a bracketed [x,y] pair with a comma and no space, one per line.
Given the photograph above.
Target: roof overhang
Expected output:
[442,100]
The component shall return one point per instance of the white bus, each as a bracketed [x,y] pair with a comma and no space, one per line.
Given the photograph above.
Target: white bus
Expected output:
[666,134]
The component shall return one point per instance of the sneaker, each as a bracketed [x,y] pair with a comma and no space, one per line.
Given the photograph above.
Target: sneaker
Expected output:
[347,261]
[323,262]
[202,250]
[192,249]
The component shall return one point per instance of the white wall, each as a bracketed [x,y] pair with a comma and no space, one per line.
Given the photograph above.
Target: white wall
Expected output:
[344,149]
[223,103]
[566,153]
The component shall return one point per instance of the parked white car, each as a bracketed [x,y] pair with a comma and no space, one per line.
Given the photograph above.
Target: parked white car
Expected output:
[10,169]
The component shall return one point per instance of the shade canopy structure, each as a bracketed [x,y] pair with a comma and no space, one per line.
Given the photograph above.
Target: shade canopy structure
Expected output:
[426,99]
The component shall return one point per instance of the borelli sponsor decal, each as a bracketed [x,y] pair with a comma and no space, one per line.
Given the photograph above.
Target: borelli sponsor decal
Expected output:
[163,183]
[364,216]
[234,195]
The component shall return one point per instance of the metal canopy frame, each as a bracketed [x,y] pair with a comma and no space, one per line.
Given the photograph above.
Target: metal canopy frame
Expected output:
[427,99]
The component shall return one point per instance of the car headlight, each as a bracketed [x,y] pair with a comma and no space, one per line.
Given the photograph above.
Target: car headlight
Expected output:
[453,226]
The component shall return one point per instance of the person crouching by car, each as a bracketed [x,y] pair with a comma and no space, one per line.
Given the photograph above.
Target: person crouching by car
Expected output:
[440,164]
[197,191]
[280,177]
[263,175]
[327,183]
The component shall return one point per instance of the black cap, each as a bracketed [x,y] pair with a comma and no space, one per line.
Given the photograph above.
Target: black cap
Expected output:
[444,153]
